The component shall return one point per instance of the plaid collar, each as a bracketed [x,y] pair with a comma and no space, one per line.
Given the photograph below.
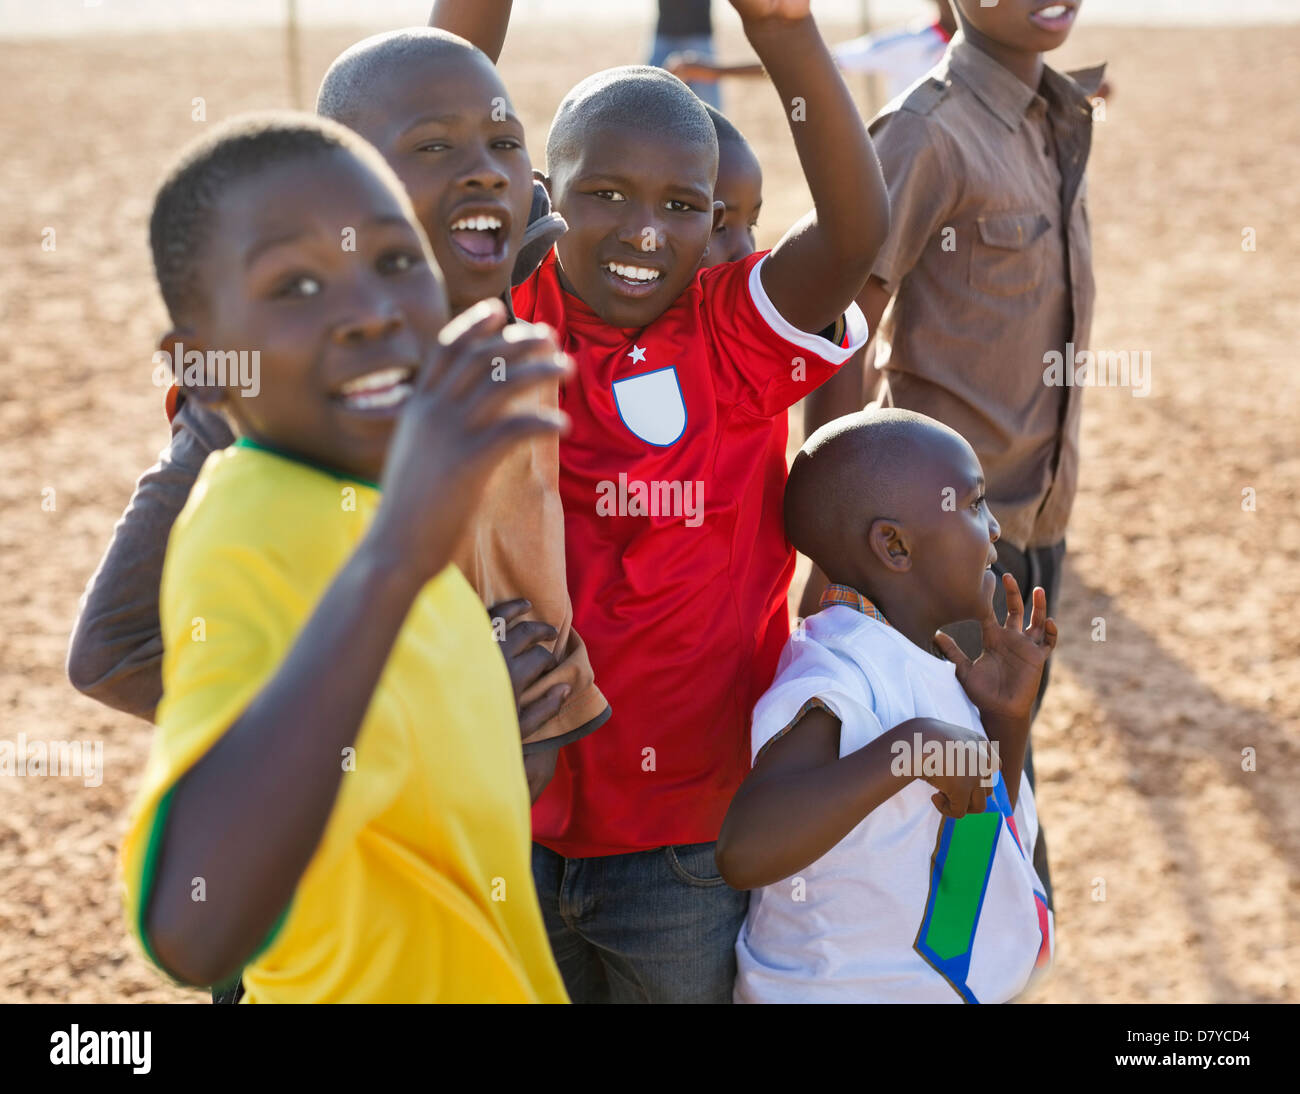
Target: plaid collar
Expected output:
[851,598]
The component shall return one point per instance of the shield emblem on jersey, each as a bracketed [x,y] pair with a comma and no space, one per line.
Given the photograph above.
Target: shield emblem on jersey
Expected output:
[651,406]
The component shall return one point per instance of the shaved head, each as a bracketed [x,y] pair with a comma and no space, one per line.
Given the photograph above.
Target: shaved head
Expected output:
[878,463]
[634,97]
[353,81]
[436,109]
[724,126]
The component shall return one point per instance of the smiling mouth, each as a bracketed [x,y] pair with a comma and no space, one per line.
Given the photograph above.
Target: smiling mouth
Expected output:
[480,239]
[1053,16]
[380,390]
[632,280]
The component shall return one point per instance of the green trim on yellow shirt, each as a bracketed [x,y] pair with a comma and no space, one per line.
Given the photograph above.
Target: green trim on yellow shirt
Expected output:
[270,938]
[152,850]
[248,442]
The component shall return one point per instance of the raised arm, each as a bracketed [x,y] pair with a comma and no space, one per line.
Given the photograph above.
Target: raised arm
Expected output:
[115,656]
[820,265]
[482,22]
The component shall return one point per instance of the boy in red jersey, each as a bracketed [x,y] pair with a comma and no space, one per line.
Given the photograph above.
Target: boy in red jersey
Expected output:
[671,481]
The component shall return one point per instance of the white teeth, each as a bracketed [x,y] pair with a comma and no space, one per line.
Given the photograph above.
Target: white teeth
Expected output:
[1055,11]
[372,381]
[633,273]
[379,399]
[476,224]
[385,387]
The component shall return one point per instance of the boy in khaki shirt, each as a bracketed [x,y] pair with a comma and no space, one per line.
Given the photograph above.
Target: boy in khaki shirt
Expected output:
[987,269]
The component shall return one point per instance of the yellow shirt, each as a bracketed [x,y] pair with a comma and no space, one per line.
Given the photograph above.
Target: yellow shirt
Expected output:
[421,888]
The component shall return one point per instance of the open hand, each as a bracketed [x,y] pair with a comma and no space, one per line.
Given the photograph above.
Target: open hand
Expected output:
[1003,681]
[456,427]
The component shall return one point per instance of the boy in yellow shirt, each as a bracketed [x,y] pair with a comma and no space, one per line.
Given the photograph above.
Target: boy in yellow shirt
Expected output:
[335,802]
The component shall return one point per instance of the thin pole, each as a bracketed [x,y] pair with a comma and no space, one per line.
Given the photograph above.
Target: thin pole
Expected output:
[871,92]
[292,54]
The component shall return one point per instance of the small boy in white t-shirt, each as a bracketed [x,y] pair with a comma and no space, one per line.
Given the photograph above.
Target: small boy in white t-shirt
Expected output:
[870,885]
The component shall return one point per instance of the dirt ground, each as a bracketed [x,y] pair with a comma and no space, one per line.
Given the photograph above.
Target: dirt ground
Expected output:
[1173,849]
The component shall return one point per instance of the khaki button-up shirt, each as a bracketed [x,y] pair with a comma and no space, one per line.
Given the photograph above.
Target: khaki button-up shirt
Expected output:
[990,263]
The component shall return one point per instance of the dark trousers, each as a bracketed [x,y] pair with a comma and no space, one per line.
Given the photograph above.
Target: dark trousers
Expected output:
[655,926]
[229,993]
[1037,566]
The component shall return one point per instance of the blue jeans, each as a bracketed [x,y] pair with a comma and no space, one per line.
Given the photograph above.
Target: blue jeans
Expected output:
[646,927]
[666,45]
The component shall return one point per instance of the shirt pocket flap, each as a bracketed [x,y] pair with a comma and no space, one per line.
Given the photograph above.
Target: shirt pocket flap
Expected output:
[1013,231]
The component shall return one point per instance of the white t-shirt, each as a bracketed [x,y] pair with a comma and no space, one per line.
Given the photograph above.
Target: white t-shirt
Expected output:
[910,906]
[901,56]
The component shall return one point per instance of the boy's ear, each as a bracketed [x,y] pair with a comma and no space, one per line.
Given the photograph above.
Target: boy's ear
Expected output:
[178,344]
[888,540]
[545,180]
[719,211]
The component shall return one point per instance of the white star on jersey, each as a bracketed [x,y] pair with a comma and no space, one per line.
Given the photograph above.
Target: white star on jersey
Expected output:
[637,354]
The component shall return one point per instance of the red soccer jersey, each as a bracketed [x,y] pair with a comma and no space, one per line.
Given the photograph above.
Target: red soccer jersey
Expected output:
[672,480]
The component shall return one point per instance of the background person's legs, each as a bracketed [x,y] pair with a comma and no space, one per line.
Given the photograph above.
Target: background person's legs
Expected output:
[700,44]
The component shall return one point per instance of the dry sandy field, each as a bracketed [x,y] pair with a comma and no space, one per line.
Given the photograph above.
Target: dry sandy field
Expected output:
[1169,734]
